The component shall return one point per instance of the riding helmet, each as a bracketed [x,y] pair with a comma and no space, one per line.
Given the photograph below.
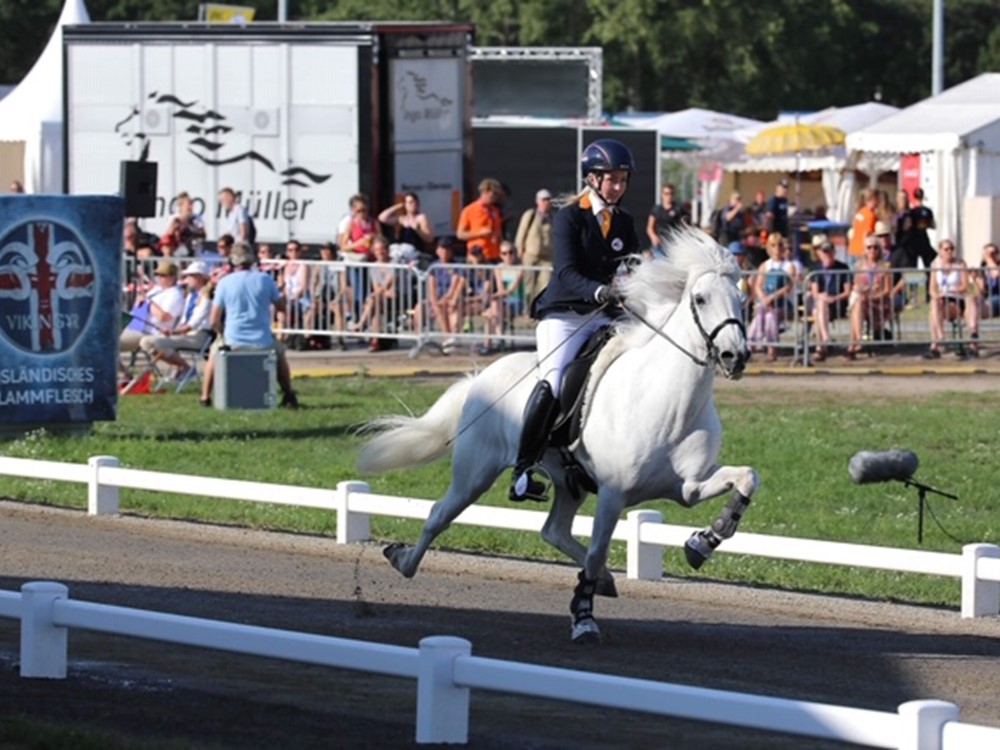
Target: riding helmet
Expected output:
[606,155]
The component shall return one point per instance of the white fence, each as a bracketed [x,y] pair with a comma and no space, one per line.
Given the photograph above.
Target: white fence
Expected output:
[645,535]
[446,672]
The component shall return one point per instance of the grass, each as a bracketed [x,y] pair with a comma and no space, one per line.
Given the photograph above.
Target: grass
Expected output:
[800,442]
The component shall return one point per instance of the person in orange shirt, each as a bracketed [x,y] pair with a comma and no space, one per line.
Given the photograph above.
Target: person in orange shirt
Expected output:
[480,222]
[864,222]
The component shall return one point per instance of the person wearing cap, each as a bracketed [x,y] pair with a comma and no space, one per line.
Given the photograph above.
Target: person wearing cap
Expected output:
[241,316]
[533,242]
[776,212]
[192,330]
[594,241]
[829,291]
[155,311]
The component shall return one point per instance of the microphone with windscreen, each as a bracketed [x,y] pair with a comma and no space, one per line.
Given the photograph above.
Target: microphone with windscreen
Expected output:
[867,467]
[870,467]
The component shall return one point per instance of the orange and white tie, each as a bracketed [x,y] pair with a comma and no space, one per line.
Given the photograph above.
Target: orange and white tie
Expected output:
[605,217]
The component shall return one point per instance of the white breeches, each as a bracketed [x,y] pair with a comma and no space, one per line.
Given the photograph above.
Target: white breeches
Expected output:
[559,337]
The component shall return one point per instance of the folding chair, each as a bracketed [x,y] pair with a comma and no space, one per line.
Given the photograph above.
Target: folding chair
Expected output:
[194,357]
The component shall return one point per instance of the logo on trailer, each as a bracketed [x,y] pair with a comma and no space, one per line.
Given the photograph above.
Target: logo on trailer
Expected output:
[46,287]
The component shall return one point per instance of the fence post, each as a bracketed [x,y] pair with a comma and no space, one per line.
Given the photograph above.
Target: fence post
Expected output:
[922,724]
[979,598]
[102,500]
[43,644]
[442,706]
[351,526]
[643,561]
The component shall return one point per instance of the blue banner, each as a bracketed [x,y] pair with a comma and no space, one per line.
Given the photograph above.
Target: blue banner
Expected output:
[60,308]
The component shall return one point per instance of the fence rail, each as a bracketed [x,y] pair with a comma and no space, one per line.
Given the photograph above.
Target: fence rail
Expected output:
[645,535]
[446,672]
[348,299]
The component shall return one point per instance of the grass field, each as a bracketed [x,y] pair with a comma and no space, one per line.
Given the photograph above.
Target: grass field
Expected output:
[799,441]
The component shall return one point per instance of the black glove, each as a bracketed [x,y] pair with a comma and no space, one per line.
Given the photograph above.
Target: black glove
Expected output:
[608,295]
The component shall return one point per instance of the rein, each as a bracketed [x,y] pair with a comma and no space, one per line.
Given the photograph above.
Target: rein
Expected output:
[712,354]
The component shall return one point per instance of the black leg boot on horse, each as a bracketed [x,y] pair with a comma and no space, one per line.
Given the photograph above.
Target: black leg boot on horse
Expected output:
[539,416]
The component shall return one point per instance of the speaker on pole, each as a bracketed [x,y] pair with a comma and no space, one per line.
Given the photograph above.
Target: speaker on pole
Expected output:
[138,187]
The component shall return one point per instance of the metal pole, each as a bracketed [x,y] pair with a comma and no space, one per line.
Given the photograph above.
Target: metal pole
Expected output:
[937,48]
[282,11]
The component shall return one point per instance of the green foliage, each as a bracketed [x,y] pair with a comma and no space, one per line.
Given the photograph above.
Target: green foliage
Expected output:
[800,442]
[752,59]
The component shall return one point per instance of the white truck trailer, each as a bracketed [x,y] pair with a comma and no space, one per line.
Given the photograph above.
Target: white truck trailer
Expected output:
[295,118]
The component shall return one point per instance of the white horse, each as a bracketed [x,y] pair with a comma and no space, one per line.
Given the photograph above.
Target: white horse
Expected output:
[650,429]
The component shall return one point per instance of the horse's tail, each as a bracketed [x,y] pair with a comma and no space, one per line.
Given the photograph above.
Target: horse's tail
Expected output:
[406,441]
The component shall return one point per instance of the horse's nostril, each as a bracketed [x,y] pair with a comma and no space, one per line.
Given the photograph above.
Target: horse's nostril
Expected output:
[728,355]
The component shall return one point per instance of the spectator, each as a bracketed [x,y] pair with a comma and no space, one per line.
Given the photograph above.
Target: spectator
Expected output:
[758,210]
[267,261]
[235,219]
[863,223]
[344,225]
[732,222]
[870,302]
[664,217]
[192,330]
[949,288]
[771,288]
[508,299]
[411,229]
[16,186]
[331,292]
[921,219]
[478,284]
[776,213]
[185,230]
[534,244]
[241,314]
[445,291]
[356,238]
[381,298]
[756,254]
[297,290]
[902,224]
[829,290]
[988,281]
[481,222]
[155,311]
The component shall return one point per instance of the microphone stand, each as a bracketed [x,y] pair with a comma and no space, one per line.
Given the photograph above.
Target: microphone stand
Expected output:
[922,490]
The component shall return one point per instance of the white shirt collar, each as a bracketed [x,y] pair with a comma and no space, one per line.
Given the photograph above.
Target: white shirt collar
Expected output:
[597,203]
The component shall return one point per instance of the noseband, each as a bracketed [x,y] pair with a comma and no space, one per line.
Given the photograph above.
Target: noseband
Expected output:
[712,354]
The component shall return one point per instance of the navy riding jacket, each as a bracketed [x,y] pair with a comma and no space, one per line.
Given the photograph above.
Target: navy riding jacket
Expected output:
[584,259]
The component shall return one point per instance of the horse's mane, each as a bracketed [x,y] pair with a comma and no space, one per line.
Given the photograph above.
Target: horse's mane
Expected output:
[657,285]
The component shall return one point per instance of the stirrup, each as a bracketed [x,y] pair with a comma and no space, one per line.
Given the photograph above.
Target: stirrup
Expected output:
[528,487]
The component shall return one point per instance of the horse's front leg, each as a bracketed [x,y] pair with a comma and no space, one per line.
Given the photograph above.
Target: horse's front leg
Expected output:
[558,531]
[609,508]
[743,481]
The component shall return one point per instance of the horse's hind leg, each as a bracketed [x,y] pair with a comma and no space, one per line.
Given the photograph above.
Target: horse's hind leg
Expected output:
[558,532]
[468,482]
[700,546]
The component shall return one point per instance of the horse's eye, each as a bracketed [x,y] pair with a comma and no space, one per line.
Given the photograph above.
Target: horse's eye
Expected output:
[699,299]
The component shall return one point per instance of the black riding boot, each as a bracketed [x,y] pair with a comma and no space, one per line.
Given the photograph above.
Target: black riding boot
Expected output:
[539,415]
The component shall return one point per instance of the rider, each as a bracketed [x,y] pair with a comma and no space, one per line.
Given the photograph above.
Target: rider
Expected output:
[593,239]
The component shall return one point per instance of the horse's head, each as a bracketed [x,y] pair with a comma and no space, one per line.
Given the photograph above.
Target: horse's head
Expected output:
[716,304]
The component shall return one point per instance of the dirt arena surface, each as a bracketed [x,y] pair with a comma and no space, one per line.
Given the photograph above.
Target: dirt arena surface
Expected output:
[683,630]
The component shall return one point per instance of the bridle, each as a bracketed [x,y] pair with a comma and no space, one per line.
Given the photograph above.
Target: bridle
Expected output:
[712,353]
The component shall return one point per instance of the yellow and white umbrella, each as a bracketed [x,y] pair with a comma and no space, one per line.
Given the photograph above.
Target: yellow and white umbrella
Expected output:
[794,138]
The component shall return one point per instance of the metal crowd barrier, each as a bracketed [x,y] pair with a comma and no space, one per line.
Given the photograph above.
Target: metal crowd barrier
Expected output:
[448,307]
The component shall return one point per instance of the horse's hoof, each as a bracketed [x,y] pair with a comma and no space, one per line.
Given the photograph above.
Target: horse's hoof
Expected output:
[606,587]
[585,632]
[697,550]
[394,554]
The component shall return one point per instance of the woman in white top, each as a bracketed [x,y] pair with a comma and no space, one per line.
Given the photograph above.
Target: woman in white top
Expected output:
[949,287]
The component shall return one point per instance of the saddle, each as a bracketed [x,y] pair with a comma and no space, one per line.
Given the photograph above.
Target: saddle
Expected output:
[566,430]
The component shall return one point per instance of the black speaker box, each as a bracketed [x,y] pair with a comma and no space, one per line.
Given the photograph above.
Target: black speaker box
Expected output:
[138,188]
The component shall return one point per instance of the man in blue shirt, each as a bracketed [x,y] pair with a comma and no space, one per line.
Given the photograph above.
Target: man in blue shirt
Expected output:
[241,314]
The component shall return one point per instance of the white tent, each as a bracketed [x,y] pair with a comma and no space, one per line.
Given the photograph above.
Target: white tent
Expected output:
[32,114]
[837,165]
[715,132]
[957,134]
